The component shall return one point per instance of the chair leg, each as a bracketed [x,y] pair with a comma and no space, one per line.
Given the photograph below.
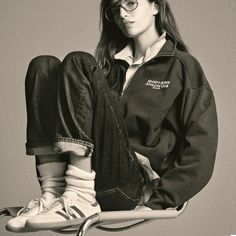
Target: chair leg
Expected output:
[9,211]
[4,212]
[87,224]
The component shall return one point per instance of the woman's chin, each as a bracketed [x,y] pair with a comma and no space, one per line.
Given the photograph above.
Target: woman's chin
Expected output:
[129,34]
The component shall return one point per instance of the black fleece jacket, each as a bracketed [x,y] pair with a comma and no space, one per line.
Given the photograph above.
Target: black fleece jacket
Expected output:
[170,113]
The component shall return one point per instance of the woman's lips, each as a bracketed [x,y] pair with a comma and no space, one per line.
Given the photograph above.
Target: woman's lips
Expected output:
[128,23]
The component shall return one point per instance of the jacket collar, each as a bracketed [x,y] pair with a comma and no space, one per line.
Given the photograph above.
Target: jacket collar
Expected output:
[169,47]
[126,53]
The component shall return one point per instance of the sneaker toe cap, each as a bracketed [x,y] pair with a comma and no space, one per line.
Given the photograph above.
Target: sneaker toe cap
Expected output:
[16,224]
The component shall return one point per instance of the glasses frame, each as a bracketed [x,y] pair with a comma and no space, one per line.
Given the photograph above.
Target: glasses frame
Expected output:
[118,4]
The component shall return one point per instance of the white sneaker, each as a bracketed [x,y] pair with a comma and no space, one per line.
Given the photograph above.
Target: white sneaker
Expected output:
[33,208]
[63,212]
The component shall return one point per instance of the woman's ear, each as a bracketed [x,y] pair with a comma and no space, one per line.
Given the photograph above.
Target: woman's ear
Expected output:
[155,9]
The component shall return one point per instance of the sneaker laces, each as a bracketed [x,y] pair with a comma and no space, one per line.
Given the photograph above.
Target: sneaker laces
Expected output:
[59,204]
[39,202]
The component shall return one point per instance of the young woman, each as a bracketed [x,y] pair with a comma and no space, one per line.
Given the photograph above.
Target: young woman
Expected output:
[141,117]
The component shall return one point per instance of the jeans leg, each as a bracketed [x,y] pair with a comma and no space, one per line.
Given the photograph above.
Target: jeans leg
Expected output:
[41,90]
[90,122]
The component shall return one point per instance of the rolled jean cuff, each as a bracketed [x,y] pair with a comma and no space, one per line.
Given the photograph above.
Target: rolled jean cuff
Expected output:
[74,146]
[39,149]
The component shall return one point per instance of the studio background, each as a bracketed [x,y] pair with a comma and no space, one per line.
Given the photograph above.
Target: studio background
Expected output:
[29,28]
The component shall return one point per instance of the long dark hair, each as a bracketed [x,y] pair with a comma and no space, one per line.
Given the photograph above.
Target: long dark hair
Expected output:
[112,39]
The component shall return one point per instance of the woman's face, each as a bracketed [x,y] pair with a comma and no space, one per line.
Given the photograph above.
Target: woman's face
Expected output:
[137,22]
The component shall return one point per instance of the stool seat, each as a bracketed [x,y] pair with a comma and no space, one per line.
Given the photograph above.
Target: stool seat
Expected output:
[104,219]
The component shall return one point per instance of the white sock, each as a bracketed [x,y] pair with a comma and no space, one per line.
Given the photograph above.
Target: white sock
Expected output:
[52,178]
[80,183]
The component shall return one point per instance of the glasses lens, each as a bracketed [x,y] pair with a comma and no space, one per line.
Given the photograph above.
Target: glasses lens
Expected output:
[114,10]
[129,5]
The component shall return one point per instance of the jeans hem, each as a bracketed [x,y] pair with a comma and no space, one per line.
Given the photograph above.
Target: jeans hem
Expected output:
[74,146]
[61,145]
[40,150]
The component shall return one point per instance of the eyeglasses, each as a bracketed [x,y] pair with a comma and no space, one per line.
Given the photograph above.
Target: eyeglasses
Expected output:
[114,10]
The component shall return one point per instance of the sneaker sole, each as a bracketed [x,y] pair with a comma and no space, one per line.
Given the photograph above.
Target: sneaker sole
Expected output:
[19,230]
[54,225]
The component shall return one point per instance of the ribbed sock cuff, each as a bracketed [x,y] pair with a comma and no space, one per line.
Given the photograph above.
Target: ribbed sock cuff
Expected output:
[80,182]
[80,174]
[52,177]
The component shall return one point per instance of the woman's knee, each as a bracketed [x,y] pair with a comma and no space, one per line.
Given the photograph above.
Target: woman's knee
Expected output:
[79,59]
[41,68]
[44,63]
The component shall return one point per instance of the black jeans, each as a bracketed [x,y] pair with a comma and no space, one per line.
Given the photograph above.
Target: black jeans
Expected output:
[70,109]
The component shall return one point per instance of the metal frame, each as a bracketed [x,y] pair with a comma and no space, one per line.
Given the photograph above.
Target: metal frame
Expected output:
[102,219]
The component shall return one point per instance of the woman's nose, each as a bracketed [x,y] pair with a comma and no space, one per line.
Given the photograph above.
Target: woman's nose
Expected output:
[123,12]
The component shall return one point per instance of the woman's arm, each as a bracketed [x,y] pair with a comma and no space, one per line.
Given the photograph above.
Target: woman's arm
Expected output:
[195,159]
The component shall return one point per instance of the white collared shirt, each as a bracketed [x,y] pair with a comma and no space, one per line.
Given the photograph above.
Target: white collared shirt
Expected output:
[126,54]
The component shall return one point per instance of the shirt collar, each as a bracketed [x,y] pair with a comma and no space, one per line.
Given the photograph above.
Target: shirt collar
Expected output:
[126,53]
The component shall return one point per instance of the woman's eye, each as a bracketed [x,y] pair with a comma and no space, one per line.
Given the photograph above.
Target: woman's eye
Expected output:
[130,4]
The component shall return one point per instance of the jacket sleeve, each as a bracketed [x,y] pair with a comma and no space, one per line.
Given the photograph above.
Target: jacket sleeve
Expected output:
[195,158]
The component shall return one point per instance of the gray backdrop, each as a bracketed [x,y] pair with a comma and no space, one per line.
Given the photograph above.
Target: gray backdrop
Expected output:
[29,28]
